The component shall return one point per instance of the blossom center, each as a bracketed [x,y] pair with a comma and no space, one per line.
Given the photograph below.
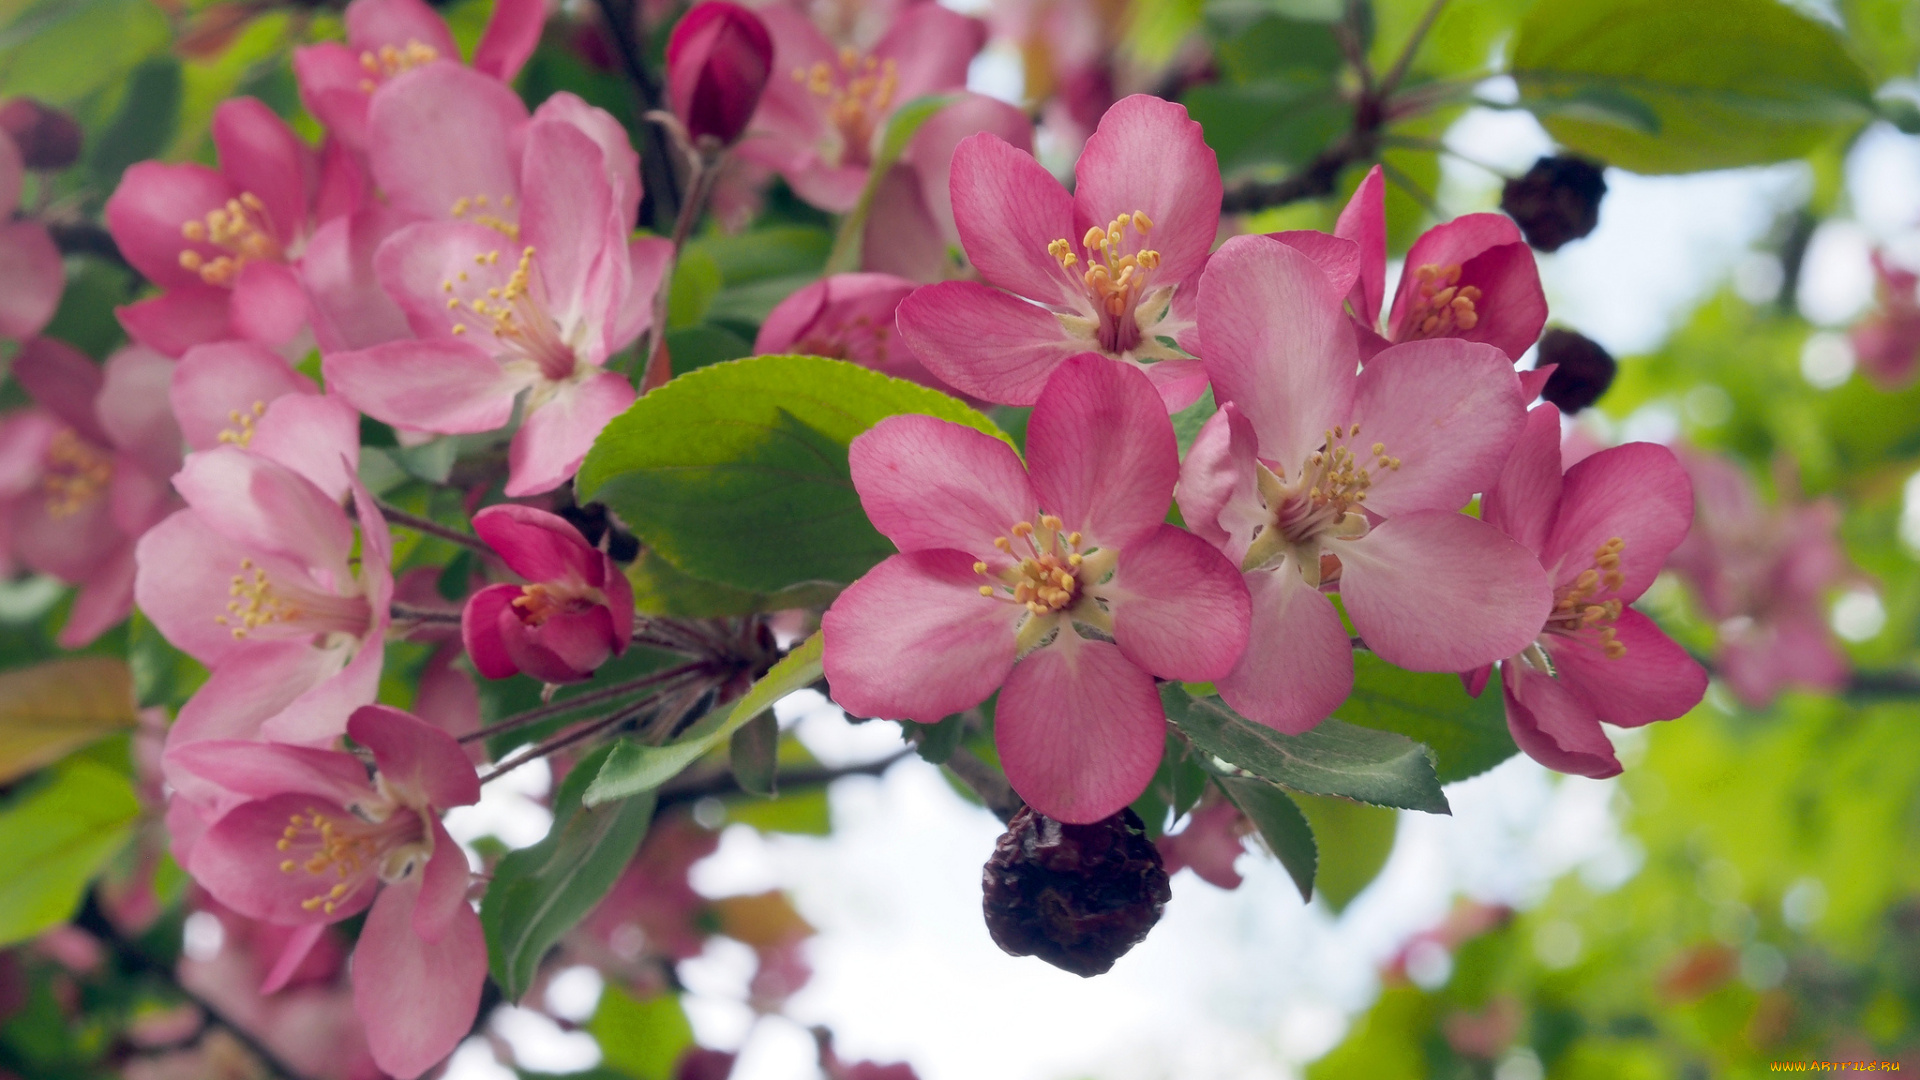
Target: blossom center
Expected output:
[258,602]
[241,230]
[1325,502]
[513,315]
[1441,306]
[387,61]
[856,92]
[1046,579]
[240,433]
[75,472]
[1575,609]
[1119,267]
[349,848]
[539,602]
[479,209]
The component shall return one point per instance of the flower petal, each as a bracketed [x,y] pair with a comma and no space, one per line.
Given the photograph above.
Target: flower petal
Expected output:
[1298,666]
[984,342]
[266,506]
[1338,258]
[185,570]
[213,386]
[1654,679]
[61,380]
[927,483]
[555,438]
[254,685]
[179,318]
[261,770]
[568,218]
[262,157]
[1439,591]
[915,640]
[1523,502]
[931,47]
[480,630]
[318,715]
[1101,451]
[1493,258]
[1554,727]
[535,544]
[443,886]
[238,860]
[1008,209]
[1219,500]
[349,308]
[1179,608]
[418,999]
[398,23]
[317,437]
[443,386]
[269,304]
[1148,155]
[32,278]
[149,208]
[1449,410]
[511,35]
[421,763]
[1080,729]
[1364,221]
[931,150]
[1638,493]
[1278,345]
[441,133]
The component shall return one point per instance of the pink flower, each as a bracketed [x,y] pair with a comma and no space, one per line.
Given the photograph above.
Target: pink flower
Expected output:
[1887,342]
[847,317]
[1312,476]
[239,393]
[1057,584]
[910,228]
[315,842]
[1209,845]
[717,64]
[1603,530]
[1763,573]
[221,244]
[576,614]
[32,276]
[826,105]
[89,473]
[529,293]
[1096,271]
[386,38]
[257,579]
[1472,278]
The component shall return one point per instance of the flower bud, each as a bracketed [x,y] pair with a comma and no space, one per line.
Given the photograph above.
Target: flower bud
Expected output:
[1582,369]
[1556,202]
[48,138]
[718,60]
[1076,896]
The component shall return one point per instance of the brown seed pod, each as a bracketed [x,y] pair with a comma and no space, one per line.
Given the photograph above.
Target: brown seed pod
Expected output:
[1076,896]
[1556,202]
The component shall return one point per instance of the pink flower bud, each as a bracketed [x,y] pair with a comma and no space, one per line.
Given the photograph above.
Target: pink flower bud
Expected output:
[718,60]
[47,137]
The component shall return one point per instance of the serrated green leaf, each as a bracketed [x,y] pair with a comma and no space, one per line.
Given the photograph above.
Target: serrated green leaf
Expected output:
[1370,766]
[737,473]
[539,893]
[1281,825]
[54,839]
[1467,735]
[632,768]
[935,743]
[1660,87]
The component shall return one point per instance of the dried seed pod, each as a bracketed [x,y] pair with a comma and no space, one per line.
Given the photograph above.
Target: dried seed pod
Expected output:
[1582,369]
[1556,202]
[1076,896]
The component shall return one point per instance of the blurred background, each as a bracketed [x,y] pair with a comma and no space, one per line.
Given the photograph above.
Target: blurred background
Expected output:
[1748,892]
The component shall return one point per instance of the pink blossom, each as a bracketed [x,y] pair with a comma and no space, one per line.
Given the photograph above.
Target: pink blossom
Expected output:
[315,842]
[1209,845]
[1603,530]
[1002,566]
[1887,341]
[576,613]
[1312,477]
[529,292]
[239,393]
[1096,271]
[910,227]
[1472,278]
[222,244]
[1763,574]
[386,38]
[32,276]
[826,103]
[718,60]
[847,317]
[87,473]
[257,579]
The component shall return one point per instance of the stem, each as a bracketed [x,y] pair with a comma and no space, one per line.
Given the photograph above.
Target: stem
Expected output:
[566,739]
[409,613]
[661,180]
[687,788]
[574,704]
[397,516]
[987,782]
[705,171]
[1405,60]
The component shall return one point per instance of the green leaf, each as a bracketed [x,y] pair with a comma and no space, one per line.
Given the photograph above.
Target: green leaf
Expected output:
[1281,825]
[696,281]
[752,751]
[1377,767]
[1267,123]
[698,346]
[144,125]
[1662,87]
[54,839]
[901,127]
[661,588]
[539,893]
[61,51]
[641,1039]
[805,813]
[1353,841]
[632,768]
[935,743]
[782,251]
[162,674]
[1177,785]
[737,473]
[1468,735]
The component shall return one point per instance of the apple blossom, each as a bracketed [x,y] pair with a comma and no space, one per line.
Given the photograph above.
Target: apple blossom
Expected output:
[31,273]
[718,60]
[574,615]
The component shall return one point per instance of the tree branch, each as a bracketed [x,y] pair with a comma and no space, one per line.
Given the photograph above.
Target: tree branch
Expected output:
[987,782]
[397,516]
[659,175]
[717,781]
[87,238]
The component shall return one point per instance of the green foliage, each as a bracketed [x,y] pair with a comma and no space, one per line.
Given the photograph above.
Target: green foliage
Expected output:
[1468,735]
[1281,825]
[1176,786]
[737,473]
[1278,103]
[752,750]
[1659,87]
[1352,840]
[54,837]
[38,50]
[539,893]
[642,1039]
[661,588]
[1377,767]
[144,124]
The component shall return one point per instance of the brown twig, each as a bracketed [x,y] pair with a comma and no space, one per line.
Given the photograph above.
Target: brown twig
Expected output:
[397,516]
[660,178]
[578,702]
[87,238]
[718,781]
